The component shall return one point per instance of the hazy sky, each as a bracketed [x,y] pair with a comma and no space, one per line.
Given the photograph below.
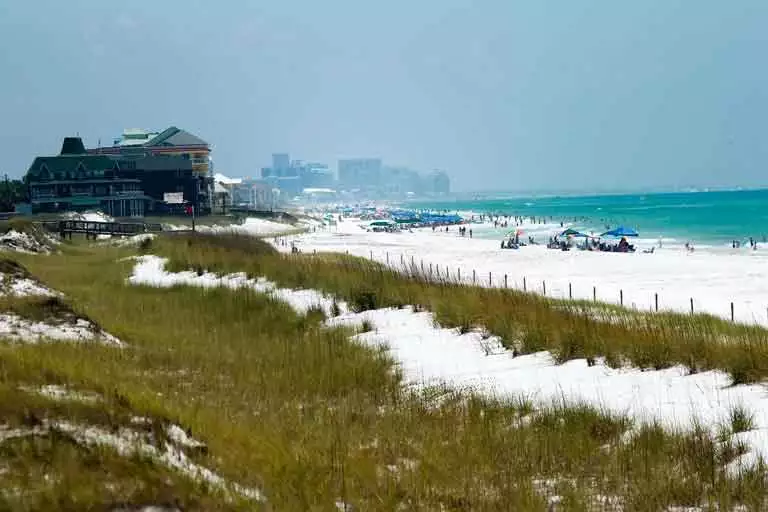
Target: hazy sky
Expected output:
[500,94]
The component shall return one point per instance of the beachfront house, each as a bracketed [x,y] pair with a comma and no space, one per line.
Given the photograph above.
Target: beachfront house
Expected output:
[129,179]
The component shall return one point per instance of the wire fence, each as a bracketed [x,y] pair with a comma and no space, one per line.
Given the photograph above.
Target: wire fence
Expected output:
[432,272]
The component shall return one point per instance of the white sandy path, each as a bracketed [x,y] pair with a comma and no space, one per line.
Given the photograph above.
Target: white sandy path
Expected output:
[251,226]
[429,355]
[150,270]
[713,279]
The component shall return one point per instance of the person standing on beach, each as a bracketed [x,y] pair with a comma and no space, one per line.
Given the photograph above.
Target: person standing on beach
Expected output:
[470,233]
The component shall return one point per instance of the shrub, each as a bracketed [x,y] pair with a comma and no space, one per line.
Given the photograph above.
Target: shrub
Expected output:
[363,299]
[145,245]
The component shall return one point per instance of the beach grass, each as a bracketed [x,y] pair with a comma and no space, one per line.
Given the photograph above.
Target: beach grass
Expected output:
[525,322]
[318,421]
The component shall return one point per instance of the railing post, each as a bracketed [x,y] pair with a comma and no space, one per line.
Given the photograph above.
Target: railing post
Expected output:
[570,291]
[525,286]
[387,257]
[544,287]
[458,273]
[594,293]
[474,276]
[490,280]
[656,300]
[505,281]
[691,305]
[732,312]
[621,297]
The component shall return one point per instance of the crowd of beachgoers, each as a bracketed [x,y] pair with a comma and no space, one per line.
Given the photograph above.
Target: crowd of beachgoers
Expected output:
[558,235]
[517,231]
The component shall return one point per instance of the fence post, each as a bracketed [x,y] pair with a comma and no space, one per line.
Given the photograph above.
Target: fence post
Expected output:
[371,255]
[570,291]
[525,287]
[656,300]
[691,305]
[430,270]
[437,268]
[422,267]
[458,273]
[490,280]
[731,311]
[544,287]
[314,251]
[505,280]
[621,297]
[387,257]
[474,276]
[402,261]
[594,293]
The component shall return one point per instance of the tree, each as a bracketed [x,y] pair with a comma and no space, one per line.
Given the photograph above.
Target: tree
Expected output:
[12,192]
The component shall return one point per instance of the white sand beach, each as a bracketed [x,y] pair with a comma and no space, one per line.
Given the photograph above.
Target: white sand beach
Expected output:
[712,278]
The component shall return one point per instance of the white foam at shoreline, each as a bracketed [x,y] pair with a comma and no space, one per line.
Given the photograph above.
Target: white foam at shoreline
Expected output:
[712,279]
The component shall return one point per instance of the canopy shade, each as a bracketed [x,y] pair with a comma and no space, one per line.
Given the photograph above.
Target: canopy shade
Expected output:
[572,232]
[381,223]
[620,231]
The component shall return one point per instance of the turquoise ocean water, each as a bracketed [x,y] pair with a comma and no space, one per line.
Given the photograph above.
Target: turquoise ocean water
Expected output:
[705,218]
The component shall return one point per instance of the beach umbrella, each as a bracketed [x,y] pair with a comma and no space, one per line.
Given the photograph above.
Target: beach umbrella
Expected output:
[381,223]
[620,232]
[572,232]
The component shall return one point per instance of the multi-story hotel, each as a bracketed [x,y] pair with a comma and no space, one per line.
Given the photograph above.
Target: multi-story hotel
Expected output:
[130,178]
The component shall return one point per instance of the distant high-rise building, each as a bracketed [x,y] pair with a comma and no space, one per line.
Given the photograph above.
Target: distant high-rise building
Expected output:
[362,173]
[401,181]
[281,163]
[316,175]
[439,183]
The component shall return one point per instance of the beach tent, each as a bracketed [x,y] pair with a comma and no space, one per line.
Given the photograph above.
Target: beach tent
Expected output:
[381,223]
[620,231]
[572,232]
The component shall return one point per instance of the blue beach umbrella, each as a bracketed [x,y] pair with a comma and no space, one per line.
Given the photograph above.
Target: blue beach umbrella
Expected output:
[620,231]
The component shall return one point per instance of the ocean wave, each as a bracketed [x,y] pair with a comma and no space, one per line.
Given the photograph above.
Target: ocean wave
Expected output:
[664,206]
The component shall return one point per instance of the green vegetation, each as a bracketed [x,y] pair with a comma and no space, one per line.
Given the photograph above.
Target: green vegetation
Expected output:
[313,418]
[12,192]
[525,322]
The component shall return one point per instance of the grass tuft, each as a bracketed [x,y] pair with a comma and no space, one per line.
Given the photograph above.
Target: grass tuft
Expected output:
[741,419]
[366,326]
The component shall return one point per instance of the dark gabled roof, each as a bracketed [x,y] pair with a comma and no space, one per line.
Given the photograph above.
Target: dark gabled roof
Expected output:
[63,163]
[175,137]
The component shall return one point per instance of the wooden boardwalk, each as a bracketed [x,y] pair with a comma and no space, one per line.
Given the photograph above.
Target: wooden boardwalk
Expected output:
[92,229]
